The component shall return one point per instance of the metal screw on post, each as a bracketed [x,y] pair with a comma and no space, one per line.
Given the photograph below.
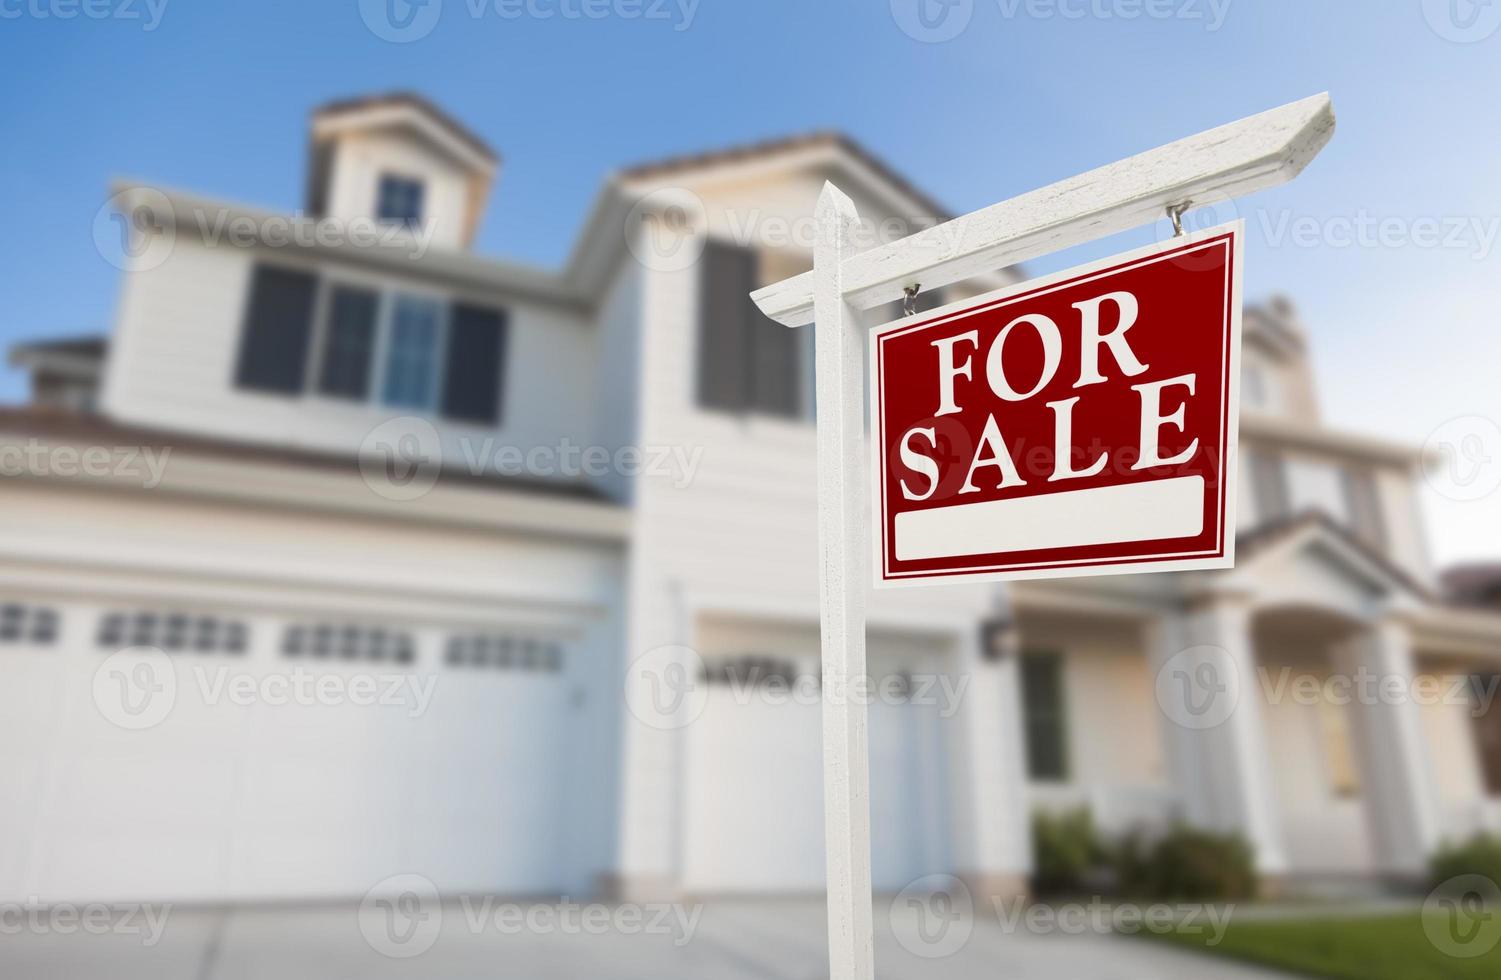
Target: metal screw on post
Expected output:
[909,303]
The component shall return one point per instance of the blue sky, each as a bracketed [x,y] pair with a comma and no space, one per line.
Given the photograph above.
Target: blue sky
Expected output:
[214,98]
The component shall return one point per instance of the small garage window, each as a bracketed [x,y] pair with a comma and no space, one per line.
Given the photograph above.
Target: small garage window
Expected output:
[22,623]
[173,631]
[501,651]
[753,671]
[348,641]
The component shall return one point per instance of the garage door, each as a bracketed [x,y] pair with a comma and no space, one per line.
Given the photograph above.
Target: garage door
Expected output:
[308,757]
[753,798]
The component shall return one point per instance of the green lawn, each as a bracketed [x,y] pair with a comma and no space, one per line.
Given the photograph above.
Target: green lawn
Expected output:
[1386,948]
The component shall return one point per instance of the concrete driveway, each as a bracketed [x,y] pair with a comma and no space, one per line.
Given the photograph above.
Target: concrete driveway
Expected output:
[728,939]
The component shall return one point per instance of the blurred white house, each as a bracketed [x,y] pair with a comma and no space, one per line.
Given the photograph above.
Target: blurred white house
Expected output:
[378,464]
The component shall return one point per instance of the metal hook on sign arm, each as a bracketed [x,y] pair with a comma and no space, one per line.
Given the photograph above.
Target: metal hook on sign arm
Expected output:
[1175,212]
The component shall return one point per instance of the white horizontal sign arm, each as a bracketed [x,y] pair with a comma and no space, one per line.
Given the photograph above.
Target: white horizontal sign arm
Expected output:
[1252,154]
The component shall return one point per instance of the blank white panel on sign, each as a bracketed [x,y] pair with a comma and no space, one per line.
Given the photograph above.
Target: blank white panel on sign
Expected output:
[1150,511]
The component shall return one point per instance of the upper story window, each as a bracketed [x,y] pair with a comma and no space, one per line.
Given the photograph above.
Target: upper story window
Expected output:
[1259,386]
[412,353]
[348,342]
[1270,490]
[746,363]
[399,200]
[1363,504]
[354,342]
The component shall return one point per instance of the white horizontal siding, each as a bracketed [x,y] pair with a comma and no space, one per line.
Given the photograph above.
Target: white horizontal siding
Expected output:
[177,340]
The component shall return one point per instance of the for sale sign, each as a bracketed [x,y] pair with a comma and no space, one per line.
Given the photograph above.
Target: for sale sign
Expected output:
[1082,424]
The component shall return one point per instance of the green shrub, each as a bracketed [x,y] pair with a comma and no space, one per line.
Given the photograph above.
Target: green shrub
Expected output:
[1187,865]
[1065,849]
[1480,855]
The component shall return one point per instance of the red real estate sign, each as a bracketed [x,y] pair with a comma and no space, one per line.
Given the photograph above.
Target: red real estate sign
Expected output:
[1082,424]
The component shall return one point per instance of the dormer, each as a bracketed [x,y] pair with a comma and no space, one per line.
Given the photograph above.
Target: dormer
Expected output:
[1276,376]
[399,160]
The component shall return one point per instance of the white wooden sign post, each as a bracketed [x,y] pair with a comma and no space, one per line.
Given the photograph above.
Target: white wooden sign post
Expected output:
[1255,153]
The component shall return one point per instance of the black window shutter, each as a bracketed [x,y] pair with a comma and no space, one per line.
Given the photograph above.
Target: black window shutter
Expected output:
[274,336]
[776,378]
[475,364]
[727,274]
[350,343]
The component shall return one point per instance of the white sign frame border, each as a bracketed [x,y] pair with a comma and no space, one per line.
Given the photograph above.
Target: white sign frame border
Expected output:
[1230,426]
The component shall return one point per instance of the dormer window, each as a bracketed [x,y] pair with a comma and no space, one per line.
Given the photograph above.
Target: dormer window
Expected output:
[399,201]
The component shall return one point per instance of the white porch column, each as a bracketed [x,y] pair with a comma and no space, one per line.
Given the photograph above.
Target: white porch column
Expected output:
[1396,772]
[993,813]
[1209,695]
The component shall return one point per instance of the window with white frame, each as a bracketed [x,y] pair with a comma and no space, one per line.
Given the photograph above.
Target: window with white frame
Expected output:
[413,343]
[348,342]
[343,338]
[399,200]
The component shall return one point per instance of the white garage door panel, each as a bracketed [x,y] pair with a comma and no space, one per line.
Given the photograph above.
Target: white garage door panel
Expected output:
[754,797]
[277,801]
[753,793]
[491,835]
